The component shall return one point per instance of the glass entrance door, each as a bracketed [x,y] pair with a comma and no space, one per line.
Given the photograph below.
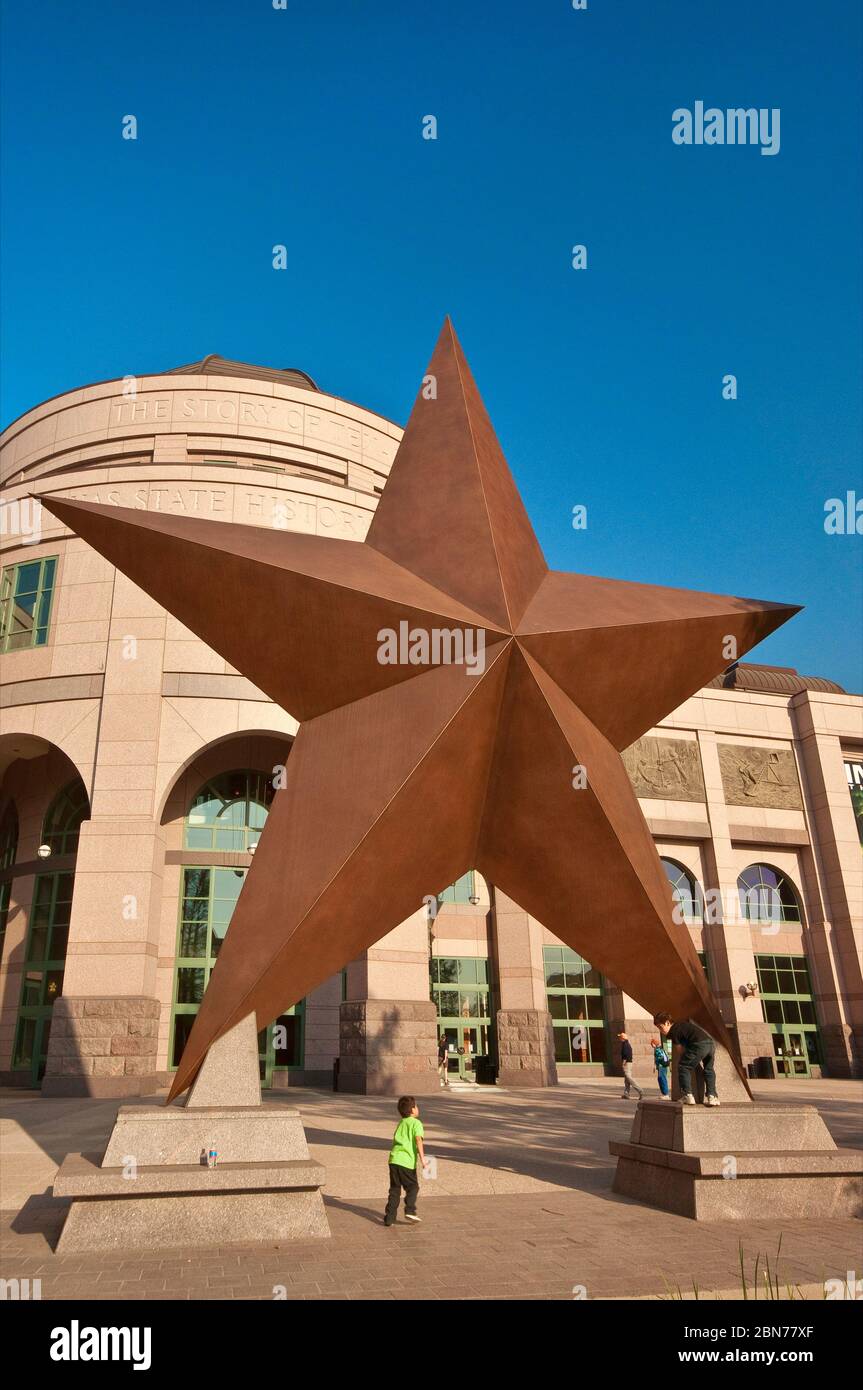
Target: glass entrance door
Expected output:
[790,1053]
[467,1039]
[459,987]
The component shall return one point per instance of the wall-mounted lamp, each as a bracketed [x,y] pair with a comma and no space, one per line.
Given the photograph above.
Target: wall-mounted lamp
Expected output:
[44,851]
[473,897]
[748,990]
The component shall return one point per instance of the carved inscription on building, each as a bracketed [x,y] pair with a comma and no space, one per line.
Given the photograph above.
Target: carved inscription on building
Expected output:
[279,509]
[313,427]
[666,769]
[760,777]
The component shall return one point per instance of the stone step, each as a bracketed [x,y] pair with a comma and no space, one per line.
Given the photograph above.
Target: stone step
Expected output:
[82,1176]
[754,1163]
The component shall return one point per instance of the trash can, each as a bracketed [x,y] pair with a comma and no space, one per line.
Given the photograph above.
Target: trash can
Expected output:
[752,1070]
[484,1070]
[765,1069]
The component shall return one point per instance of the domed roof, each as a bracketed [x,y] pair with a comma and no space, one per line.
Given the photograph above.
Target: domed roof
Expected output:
[773,680]
[213,365]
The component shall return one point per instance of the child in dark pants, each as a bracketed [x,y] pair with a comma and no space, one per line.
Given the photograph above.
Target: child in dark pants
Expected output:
[406,1147]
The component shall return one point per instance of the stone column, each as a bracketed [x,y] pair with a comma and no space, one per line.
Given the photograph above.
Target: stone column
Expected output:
[525,1041]
[835,926]
[104,1032]
[321,1032]
[112,956]
[388,1024]
[625,1016]
[728,943]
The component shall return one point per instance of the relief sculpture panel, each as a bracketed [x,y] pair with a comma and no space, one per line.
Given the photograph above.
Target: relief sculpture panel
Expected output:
[665,769]
[760,777]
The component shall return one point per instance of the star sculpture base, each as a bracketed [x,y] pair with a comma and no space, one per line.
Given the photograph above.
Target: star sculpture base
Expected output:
[153,1188]
[737,1163]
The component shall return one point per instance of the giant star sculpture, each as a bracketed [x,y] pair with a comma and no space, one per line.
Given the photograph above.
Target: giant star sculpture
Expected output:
[403,777]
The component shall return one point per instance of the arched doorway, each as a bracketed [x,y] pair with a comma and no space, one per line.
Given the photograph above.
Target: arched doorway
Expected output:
[47,938]
[461,974]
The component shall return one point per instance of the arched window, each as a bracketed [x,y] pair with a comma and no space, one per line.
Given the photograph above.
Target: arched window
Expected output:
[229,811]
[8,850]
[62,823]
[8,836]
[688,897]
[766,895]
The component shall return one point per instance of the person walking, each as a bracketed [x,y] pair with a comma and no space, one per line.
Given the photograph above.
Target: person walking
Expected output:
[443,1060]
[629,1086]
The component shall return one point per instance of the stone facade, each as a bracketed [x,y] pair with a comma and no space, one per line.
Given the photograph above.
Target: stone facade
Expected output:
[104,1047]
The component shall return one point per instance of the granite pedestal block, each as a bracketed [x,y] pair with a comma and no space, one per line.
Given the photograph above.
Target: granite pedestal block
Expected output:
[152,1188]
[737,1162]
[388,1047]
[525,1046]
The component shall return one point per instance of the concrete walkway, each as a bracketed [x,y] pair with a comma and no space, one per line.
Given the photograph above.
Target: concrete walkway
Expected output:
[521,1207]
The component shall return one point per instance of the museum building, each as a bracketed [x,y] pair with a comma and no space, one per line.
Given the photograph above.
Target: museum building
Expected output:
[137,772]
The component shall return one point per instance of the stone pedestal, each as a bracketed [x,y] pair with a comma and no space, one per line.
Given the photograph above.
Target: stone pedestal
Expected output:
[737,1162]
[102,1046]
[525,1048]
[152,1187]
[388,1047]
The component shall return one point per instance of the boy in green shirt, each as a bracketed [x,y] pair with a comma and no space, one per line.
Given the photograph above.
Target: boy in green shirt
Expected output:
[407,1145]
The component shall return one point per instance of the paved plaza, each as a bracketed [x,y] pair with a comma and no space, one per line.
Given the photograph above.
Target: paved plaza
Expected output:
[521,1207]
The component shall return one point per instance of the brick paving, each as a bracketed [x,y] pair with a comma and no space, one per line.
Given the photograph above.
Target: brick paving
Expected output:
[566,1229]
[500,1247]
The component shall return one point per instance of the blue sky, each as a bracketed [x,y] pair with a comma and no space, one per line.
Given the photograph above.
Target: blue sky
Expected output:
[303,127]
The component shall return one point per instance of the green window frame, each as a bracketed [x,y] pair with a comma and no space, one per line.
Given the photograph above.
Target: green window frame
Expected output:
[62,824]
[26,593]
[8,851]
[573,992]
[462,890]
[766,895]
[686,890]
[460,988]
[207,901]
[44,968]
[229,811]
[5,899]
[787,1002]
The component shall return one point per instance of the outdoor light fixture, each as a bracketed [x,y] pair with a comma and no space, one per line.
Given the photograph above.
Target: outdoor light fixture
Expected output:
[474,895]
[748,990]
[44,851]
